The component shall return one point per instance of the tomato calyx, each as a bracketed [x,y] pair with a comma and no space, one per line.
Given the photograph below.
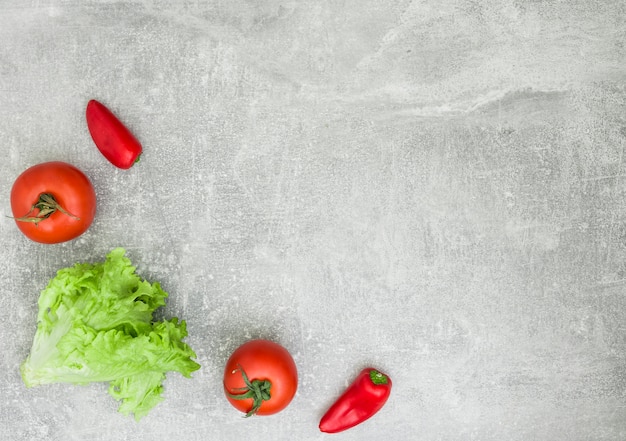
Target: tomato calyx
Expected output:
[258,390]
[46,205]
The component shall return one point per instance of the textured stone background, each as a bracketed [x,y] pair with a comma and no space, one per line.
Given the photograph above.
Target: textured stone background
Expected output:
[434,187]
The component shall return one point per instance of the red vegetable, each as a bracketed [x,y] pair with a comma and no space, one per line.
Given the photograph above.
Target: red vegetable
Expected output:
[112,138]
[363,398]
[53,202]
[260,378]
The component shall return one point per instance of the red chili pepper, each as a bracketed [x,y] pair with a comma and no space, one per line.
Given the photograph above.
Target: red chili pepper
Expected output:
[111,137]
[363,398]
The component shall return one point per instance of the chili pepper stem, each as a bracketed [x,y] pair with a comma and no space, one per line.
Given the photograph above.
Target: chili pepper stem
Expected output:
[46,205]
[378,377]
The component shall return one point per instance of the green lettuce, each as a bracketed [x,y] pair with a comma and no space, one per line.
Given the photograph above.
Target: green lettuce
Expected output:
[95,324]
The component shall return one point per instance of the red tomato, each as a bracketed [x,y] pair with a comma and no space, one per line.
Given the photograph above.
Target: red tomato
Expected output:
[112,138]
[53,202]
[261,369]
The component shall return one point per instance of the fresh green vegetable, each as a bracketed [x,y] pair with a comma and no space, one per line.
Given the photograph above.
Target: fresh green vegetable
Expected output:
[95,324]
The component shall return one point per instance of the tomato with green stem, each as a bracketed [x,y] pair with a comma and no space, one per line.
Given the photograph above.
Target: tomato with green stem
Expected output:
[53,202]
[260,378]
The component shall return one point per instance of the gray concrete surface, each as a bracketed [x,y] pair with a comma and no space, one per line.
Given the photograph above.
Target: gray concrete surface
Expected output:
[436,188]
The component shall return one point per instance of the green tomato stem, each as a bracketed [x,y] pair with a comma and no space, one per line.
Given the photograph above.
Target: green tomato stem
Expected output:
[257,390]
[46,205]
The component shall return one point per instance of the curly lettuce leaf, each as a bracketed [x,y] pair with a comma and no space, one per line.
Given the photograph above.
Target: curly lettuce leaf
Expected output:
[138,393]
[95,324]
